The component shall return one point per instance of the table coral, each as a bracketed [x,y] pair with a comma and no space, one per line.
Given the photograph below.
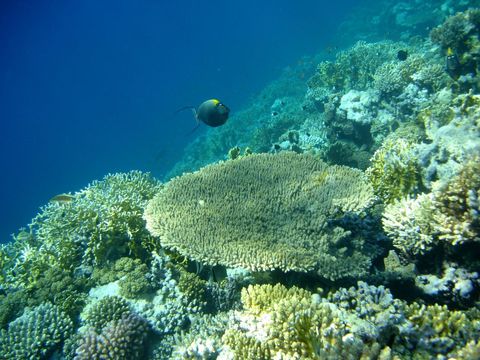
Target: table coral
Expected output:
[263,212]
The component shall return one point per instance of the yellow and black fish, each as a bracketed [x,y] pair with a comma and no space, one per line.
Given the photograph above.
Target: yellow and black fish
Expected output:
[211,112]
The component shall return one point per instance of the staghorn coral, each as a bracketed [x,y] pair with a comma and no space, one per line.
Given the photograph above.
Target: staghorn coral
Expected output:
[37,334]
[394,171]
[120,340]
[100,223]
[263,212]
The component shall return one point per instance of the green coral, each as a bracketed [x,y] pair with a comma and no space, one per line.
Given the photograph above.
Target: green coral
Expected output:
[193,288]
[394,171]
[37,334]
[105,310]
[439,329]
[101,222]
[11,306]
[60,288]
[132,276]
[354,68]
[235,153]
[291,324]
[264,212]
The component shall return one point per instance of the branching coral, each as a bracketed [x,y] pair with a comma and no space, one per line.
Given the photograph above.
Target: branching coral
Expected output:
[263,212]
[437,330]
[109,308]
[101,222]
[281,323]
[36,334]
[457,204]
[449,215]
[121,340]
[394,171]
[408,223]
[460,34]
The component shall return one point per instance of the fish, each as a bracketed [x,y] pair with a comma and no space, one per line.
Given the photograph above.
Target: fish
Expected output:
[62,198]
[211,112]
[452,64]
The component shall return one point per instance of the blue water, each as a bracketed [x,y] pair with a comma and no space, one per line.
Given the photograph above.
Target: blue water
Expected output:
[89,87]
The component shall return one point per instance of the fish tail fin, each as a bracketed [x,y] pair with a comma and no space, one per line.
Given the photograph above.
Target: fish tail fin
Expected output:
[186,108]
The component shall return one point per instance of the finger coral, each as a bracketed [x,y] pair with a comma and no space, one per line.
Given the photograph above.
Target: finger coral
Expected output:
[120,340]
[263,212]
[36,334]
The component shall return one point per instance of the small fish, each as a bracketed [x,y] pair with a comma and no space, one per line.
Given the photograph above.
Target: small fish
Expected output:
[211,112]
[402,55]
[62,198]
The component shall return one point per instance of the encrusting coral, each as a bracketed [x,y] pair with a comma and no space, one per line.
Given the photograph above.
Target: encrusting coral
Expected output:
[263,212]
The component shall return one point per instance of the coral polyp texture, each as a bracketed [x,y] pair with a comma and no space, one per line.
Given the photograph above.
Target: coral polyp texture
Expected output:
[262,212]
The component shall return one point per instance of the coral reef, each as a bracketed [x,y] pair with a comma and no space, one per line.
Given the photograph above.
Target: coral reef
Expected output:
[394,171]
[459,39]
[233,214]
[353,68]
[455,285]
[37,334]
[97,224]
[107,309]
[120,339]
[449,215]
[263,244]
